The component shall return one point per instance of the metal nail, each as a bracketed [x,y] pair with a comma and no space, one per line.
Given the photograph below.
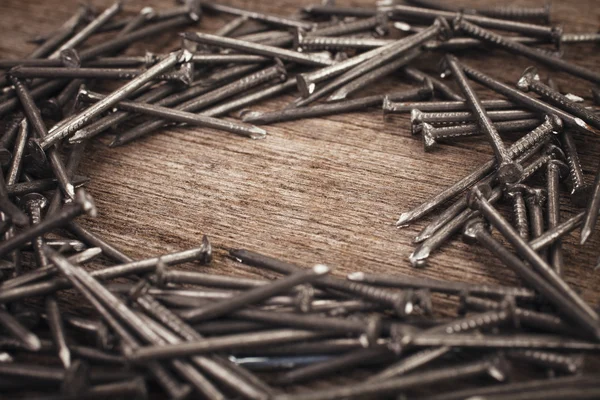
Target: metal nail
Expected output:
[116,118]
[307,81]
[440,87]
[419,256]
[592,210]
[508,170]
[304,42]
[49,270]
[225,342]
[418,117]
[181,76]
[52,42]
[493,367]
[556,170]
[88,286]
[466,43]
[580,190]
[516,194]
[34,204]
[554,361]
[433,134]
[539,135]
[57,330]
[536,200]
[262,17]
[181,116]
[118,43]
[256,295]
[39,128]
[335,365]
[442,106]
[73,124]
[256,48]
[563,299]
[220,368]
[551,235]
[507,341]
[525,317]
[525,29]
[201,254]
[388,53]
[470,29]
[89,29]
[449,287]
[579,37]
[530,81]
[291,114]
[521,98]
[15,328]
[83,204]
[370,77]
[276,72]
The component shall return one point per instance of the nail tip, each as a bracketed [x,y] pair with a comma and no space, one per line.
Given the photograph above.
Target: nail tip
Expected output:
[403,221]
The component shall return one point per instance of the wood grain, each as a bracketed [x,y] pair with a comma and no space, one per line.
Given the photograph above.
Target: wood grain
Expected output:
[324,190]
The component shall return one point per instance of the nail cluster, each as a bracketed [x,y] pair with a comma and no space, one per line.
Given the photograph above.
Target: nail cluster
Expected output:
[146,329]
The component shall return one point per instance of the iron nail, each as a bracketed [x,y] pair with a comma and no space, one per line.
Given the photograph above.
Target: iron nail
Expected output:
[516,195]
[370,77]
[39,128]
[494,367]
[556,170]
[440,87]
[536,200]
[113,45]
[441,286]
[262,17]
[77,121]
[57,330]
[554,361]
[530,81]
[580,190]
[569,38]
[256,295]
[519,97]
[290,114]
[470,29]
[544,278]
[525,29]
[182,76]
[508,170]
[591,211]
[539,135]
[433,134]
[551,235]
[181,116]
[34,204]
[525,317]
[391,107]
[276,72]
[16,164]
[89,29]
[256,48]
[387,54]
[418,117]
[83,204]
[14,327]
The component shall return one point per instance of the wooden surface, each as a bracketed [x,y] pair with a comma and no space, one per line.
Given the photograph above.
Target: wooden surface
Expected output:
[325,190]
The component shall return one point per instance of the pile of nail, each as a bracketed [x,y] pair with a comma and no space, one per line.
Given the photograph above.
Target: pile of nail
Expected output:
[142,328]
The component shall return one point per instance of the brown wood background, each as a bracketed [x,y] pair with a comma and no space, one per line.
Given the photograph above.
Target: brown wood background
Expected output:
[324,190]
